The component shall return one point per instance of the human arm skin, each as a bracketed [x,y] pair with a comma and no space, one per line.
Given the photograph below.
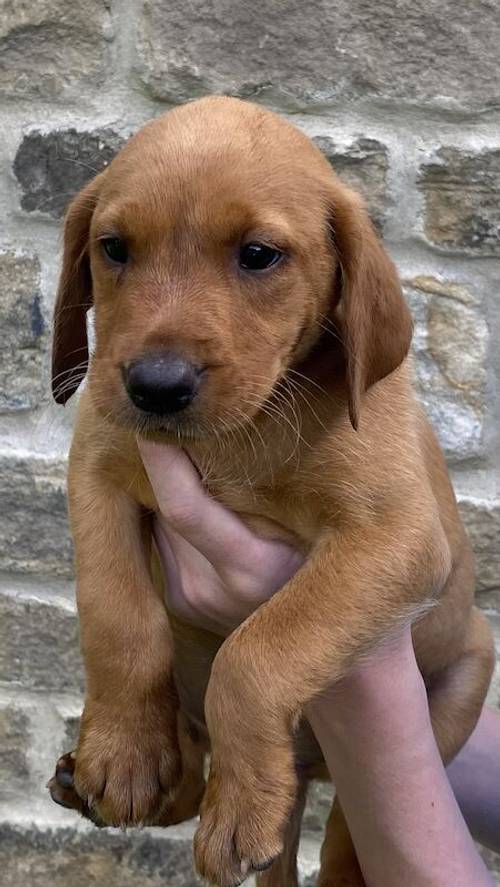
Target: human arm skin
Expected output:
[475,779]
[375,733]
[373,726]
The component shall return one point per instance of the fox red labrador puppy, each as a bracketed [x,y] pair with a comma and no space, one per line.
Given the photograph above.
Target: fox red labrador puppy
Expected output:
[246,309]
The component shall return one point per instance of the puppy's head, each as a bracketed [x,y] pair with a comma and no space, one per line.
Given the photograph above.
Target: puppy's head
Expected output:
[216,248]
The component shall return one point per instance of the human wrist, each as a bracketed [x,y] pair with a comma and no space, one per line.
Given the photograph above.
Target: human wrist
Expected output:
[379,688]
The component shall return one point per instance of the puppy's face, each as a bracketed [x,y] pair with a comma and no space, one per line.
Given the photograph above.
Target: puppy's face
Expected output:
[207,253]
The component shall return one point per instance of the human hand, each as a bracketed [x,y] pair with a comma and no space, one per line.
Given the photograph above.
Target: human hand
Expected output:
[218,571]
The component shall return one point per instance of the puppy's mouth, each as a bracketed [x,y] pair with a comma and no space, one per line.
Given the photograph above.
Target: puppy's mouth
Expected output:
[171,430]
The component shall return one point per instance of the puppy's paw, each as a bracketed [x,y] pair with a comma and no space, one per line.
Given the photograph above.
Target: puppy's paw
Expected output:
[62,789]
[127,765]
[242,824]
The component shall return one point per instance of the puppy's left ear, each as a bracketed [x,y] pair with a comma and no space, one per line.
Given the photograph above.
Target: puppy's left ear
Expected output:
[74,296]
[377,324]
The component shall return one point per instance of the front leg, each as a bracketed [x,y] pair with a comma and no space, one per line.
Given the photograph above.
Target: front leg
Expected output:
[354,588]
[127,761]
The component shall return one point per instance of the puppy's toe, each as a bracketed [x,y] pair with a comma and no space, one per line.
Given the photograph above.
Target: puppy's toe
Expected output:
[62,789]
[65,769]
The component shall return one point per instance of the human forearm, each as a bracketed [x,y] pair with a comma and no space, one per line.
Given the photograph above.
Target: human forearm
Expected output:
[375,733]
[474,776]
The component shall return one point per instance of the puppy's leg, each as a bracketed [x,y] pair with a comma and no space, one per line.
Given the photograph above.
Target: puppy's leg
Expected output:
[339,863]
[291,648]
[187,800]
[283,871]
[457,694]
[127,761]
[186,803]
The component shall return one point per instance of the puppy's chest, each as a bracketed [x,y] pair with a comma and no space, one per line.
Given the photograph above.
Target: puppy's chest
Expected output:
[275,504]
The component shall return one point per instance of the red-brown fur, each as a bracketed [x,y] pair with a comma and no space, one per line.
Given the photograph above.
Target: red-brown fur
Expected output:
[306,425]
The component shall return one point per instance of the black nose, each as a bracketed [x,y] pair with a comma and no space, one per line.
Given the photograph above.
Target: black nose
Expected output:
[162,383]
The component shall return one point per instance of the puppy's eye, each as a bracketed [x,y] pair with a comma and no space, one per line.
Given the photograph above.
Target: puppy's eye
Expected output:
[258,256]
[115,249]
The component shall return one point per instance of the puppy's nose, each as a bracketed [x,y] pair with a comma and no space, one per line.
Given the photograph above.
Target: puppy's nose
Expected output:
[162,383]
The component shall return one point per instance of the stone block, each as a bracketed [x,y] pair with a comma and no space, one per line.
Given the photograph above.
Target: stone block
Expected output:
[51,47]
[34,534]
[52,167]
[298,55]
[39,646]
[23,383]
[461,193]
[450,343]
[482,519]
[14,745]
[363,167]
[36,857]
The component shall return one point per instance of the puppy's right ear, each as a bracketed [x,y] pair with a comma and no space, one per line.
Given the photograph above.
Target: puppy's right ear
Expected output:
[74,296]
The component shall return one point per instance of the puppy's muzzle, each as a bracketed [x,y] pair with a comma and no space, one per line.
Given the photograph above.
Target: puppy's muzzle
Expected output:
[162,383]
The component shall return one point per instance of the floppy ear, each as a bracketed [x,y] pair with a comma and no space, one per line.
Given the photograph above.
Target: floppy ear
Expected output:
[74,297]
[377,324]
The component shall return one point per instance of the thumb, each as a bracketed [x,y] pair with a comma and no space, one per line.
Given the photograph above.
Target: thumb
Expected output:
[186,506]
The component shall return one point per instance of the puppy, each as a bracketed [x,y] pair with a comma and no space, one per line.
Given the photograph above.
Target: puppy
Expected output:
[245,308]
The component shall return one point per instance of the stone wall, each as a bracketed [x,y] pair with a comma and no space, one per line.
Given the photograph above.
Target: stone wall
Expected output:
[404,100]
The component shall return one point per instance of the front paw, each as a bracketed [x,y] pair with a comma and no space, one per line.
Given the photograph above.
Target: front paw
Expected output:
[63,792]
[243,817]
[127,765]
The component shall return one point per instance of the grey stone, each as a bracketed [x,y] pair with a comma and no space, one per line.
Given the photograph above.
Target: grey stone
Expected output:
[71,733]
[494,691]
[462,200]
[297,54]
[492,861]
[14,743]
[450,343]
[39,647]
[52,47]
[363,167]
[318,806]
[482,519]
[24,337]
[34,858]
[34,534]
[490,599]
[52,167]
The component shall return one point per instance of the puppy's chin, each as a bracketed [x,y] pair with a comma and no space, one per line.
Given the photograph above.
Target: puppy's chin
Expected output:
[170,429]
[187,425]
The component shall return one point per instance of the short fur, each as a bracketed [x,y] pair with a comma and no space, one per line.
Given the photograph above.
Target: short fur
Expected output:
[307,426]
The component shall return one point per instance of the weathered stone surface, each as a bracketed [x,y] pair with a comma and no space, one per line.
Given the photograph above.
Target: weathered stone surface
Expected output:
[14,742]
[482,519]
[22,381]
[363,166]
[492,861]
[462,200]
[39,645]
[450,343]
[52,167]
[51,46]
[494,691]
[34,535]
[297,54]
[35,858]
[71,733]
[490,599]
[319,803]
